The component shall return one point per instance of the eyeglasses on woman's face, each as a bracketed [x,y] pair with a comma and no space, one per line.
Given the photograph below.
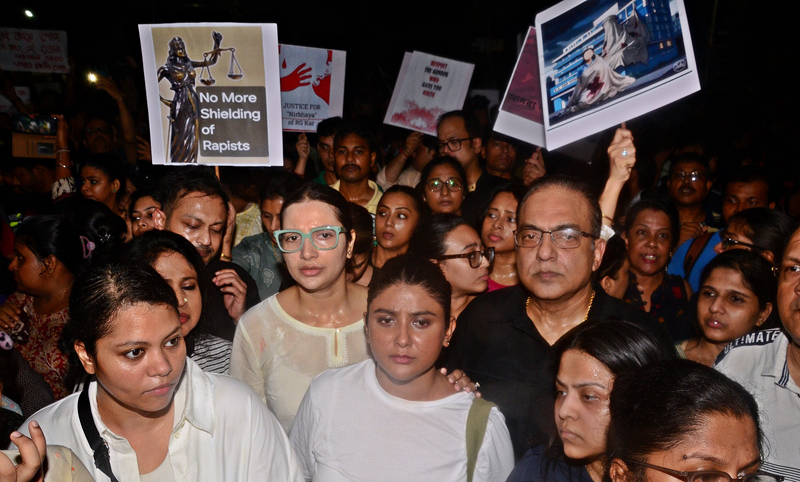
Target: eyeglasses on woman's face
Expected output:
[711,475]
[475,257]
[322,238]
[436,185]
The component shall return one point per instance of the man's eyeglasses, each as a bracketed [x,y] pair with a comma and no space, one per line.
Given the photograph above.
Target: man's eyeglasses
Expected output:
[436,185]
[453,145]
[693,176]
[475,257]
[566,238]
[322,238]
[728,242]
[711,475]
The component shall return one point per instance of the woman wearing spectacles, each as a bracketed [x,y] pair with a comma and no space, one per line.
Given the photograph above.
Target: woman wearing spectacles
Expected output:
[497,231]
[651,233]
[679,420]
[736,297]
[762,230]
[443,185]
[291,337]
[587,363]
[451,243]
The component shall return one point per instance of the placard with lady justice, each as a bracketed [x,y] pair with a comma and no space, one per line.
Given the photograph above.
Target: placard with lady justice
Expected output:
[602,62]
[213,93]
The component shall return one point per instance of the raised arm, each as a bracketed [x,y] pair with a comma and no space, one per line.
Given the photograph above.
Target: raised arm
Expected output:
[621,159]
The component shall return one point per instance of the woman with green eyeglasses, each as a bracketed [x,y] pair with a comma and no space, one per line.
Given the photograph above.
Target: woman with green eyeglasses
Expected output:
[291,337]
[288,339]
[442,185]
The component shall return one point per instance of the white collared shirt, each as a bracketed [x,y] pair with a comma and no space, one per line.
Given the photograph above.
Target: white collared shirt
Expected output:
[222,432]
[758,361]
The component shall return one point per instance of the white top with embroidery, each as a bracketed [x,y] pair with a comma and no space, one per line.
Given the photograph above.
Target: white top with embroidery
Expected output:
[278,356]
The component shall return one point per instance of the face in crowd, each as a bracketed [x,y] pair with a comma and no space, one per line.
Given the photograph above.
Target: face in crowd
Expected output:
[549,272]
[353,158]
[454,140]
[199,218]
[689,183]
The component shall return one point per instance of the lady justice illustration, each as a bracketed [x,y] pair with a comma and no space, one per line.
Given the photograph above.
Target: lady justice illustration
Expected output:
[184,108]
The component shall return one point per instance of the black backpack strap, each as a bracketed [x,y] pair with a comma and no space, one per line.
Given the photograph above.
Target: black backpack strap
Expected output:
[102,459]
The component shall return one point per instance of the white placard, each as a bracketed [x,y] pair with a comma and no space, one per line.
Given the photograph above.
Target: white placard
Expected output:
[427,87]
[602,62]
[312,86]
[213,93]
[42,51]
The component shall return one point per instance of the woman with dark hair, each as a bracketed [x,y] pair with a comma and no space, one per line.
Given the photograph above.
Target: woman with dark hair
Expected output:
[103,180]
[678,419]
[588,361]
[49,252]
[157,413]
[359,267]
[443,185]
[143,203]
[105,229]
[447,240]
[394,416]
[651,234]
[179,263]
[613,273]
[497,231]
[736,297]
[320,321]
[762,230]
[399,213]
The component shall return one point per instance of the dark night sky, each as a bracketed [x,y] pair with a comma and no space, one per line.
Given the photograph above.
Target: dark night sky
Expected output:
[743,50]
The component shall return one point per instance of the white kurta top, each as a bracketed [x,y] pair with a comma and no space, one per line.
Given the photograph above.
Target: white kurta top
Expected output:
[278,356]
[222,433]
[349,429]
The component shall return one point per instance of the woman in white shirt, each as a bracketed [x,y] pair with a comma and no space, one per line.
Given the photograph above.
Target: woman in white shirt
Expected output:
[395,417]
[159,415]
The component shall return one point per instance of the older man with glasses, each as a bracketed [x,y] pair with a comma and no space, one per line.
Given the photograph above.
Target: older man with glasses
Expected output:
[504,337]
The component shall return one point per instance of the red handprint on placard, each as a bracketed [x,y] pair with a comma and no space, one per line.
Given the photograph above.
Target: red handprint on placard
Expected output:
[296,78]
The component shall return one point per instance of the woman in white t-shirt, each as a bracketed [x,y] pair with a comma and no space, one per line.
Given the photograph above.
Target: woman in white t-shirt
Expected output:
[395,417]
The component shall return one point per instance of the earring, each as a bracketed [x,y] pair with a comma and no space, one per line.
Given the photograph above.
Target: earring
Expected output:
[113,190]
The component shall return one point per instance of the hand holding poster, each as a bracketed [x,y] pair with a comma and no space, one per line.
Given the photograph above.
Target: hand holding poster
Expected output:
[427,87]
[312,86]
[602,62]
[227,119]
[42,51]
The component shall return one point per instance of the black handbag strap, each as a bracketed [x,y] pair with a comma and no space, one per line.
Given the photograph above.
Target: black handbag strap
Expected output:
[102,459]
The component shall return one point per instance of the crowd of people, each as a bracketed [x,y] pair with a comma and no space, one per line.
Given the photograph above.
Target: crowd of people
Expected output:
[391,307]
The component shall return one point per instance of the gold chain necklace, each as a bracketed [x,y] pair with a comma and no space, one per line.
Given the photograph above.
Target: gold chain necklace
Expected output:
[585,317]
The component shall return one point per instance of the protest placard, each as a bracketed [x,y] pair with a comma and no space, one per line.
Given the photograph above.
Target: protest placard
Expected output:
[233,116]
[312,86]
[520,115]
[602,62]
[427,87]
[24,94]
[42,51]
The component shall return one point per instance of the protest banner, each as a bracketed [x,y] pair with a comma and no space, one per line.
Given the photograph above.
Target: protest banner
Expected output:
[41,51]
[233,116]
[312,86]
[520,115]
[427,87]
[24,94]
[602,62]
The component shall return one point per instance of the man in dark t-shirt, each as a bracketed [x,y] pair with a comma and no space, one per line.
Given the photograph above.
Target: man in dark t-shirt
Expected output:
[503,339]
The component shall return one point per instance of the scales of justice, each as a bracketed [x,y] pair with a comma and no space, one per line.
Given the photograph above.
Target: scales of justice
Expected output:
[184,107]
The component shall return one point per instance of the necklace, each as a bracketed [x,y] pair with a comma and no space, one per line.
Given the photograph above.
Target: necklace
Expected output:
[585,317]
